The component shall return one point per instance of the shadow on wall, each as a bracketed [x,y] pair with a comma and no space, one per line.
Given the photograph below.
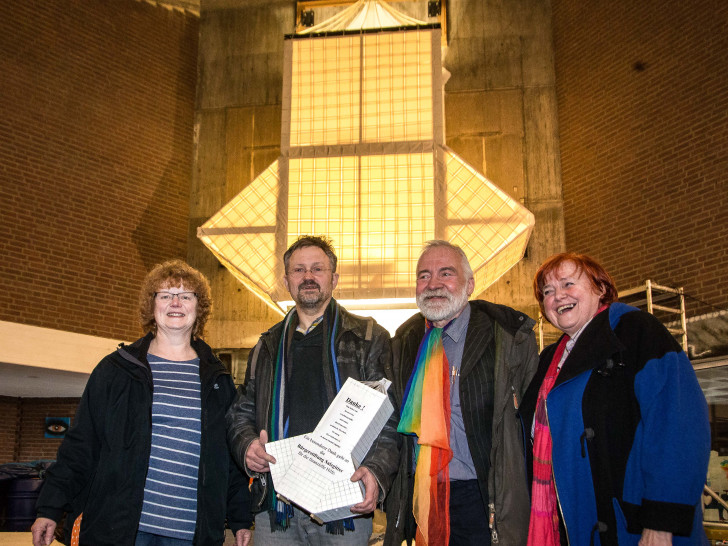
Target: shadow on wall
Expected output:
[161,233]
[163,226]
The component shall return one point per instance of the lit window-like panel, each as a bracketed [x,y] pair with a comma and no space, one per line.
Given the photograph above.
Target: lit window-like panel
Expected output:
[397,87]
[362,161]
[243,232]
[325,90]
[490,226]
[323,199]
[389,98]
[378,209]
[399,218]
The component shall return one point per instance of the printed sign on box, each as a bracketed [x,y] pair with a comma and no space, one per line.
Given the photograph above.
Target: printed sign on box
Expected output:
[313,470]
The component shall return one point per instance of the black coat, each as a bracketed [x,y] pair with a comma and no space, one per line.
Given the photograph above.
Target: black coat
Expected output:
[503,483]
[102,463]
[363,352]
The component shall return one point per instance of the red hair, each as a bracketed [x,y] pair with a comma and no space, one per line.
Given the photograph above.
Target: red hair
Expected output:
[597,275]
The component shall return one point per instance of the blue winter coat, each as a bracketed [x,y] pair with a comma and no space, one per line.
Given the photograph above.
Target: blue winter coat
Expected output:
[630,430]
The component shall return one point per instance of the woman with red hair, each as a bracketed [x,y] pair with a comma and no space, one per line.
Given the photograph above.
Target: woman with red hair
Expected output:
[618,422]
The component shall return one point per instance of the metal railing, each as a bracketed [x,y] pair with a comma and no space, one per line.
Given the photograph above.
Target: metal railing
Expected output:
[662,301]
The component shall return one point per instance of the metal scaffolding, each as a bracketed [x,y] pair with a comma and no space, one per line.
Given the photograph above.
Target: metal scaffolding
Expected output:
[666,303]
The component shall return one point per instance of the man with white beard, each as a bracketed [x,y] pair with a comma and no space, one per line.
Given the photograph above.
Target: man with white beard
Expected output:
[459,369]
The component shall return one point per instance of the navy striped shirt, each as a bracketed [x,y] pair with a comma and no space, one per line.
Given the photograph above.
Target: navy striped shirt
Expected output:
[170,492]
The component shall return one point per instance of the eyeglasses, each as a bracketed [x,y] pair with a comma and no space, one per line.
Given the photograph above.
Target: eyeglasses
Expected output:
[316,271]
[166,297]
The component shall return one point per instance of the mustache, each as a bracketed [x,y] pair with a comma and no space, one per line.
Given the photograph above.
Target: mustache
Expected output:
[309,284]
[437,293]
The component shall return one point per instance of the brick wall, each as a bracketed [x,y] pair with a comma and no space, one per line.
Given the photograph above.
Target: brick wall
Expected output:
[33,445]
[22,438]
[643,109]
[10,410]
[96,133]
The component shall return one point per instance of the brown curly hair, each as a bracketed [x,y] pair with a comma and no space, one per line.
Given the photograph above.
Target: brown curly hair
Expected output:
[174,273]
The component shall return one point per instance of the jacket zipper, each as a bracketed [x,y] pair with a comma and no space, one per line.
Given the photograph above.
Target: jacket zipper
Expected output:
[211,385]
[491,506]
[269,396]
[264,483]
[140,503]
[491,523]
[524,433]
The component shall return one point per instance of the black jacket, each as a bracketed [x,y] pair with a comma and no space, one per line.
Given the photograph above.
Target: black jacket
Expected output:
[362,353]
[102,463]
[500,460]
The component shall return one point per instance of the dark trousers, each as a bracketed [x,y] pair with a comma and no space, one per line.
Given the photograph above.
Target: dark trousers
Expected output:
[149,539]
[468,515]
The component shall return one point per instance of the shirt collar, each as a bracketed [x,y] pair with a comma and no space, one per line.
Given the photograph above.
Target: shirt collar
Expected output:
[459,325]
[572,341]
[315,323]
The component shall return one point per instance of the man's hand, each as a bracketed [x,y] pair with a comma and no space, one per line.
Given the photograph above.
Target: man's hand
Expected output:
[256,459]
[42,531]
[371,490]
[650,537]
[243,536]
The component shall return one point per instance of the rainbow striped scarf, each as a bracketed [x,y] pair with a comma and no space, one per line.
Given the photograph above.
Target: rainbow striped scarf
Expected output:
[426,414]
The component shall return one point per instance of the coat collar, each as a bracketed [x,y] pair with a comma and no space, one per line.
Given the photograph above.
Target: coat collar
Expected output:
[480,333]
[136,353]
[350,322]
[595,345]
[483,316]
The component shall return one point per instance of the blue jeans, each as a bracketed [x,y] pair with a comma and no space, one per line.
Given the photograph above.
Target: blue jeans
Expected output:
[304,530]
[148,539]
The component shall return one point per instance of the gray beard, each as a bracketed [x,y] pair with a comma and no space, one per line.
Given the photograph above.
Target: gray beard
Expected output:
[436,312]
[313,301]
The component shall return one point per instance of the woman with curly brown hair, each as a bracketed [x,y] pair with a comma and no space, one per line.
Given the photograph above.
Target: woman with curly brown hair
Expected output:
[146,461]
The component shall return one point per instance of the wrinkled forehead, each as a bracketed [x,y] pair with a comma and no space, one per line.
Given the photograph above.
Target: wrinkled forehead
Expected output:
[439,257]
[308,255]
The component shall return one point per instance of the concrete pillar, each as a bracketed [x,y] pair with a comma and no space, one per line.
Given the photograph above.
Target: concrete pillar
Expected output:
[237,135]
[500,109]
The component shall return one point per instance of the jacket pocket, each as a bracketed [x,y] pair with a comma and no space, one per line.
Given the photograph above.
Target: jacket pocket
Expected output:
[258,493]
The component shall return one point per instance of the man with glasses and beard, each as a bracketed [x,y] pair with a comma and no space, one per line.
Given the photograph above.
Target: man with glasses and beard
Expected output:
[294,373]
[459,370]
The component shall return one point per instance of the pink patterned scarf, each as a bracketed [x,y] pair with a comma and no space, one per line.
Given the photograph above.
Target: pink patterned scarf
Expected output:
[543,529]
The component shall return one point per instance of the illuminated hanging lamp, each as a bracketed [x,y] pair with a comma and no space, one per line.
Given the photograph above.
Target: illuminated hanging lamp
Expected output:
[363,161]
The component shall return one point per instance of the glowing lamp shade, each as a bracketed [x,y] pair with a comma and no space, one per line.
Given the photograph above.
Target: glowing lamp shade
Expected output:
[363,161]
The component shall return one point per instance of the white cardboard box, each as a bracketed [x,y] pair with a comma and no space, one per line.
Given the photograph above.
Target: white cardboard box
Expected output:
[313,470]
